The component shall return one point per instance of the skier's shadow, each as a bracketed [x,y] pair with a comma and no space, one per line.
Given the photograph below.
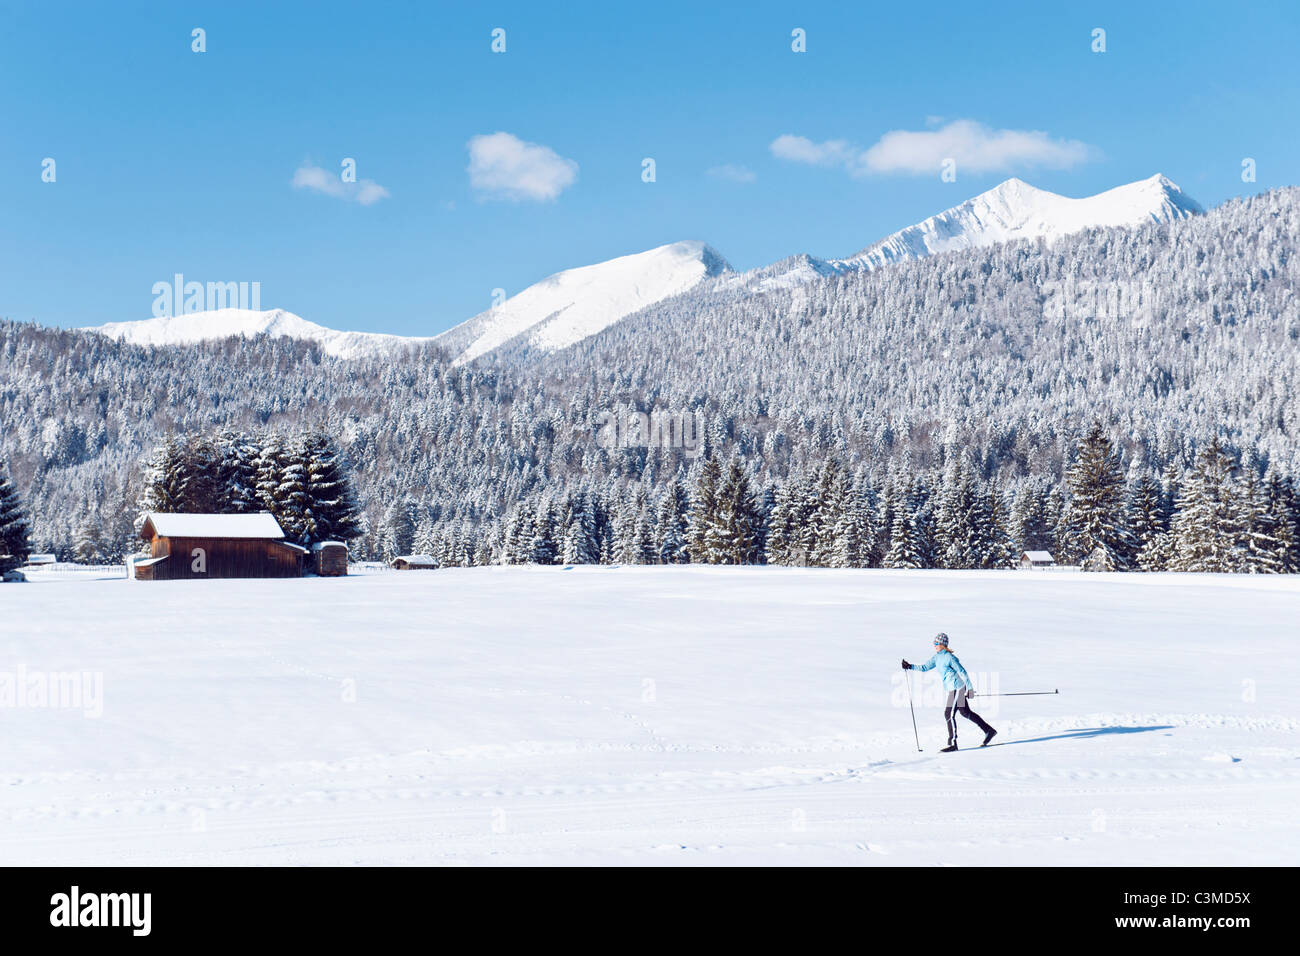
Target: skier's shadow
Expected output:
[1088,734]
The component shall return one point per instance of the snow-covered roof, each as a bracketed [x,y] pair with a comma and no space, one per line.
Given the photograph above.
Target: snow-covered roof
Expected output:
[260,525]
[417,558]
[1039,556]
[320,545]
[295,547]
[40,559]
[148,562]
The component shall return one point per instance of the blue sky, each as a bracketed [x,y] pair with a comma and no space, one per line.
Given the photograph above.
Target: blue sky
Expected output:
[173,161]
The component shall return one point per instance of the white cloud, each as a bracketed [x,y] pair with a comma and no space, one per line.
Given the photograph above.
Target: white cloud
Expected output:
[973,146]
[503,166]
[800,149]
[733,173]
[370,192]
[327,183]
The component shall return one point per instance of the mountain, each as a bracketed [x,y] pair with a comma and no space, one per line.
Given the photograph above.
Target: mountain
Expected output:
[572,305]
[1017,210]
[1012,210]
[248,323]
[1172,334]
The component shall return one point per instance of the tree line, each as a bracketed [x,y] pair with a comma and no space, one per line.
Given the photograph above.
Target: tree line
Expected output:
[1216,516]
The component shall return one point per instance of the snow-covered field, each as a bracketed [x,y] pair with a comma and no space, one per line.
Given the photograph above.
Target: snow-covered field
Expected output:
[647,716]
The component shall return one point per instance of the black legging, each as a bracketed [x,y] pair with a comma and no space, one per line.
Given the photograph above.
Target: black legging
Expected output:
[957,705]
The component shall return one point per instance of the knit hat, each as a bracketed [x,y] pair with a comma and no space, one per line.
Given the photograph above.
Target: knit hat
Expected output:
[941,639]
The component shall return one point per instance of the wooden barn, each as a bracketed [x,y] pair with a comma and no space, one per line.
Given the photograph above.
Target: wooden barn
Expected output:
[1037,559]
[415,562]
[330,558]
[216,546]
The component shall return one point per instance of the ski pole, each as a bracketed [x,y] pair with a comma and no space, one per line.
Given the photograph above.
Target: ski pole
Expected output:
[908,678]
[1027,693]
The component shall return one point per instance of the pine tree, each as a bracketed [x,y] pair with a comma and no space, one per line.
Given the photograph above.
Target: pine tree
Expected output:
[238,454]
[904,550]
[732,534]
[14,529]
[854,533]
[998,550]
[1058,516]
[1284,505]
[426,540]
[703,509]
[204,492]
[827,511]
[333,506]
[1171,482]
[952,516]
[1032,523]
[1263,550]
[671,528]
[1146,512]
[625,546]
[646,551]
[1097,534]
[271,461]
[890,505]
[519,536]
[765,500]
[166,479]
[296,516]
[919,504]
[1207,526]
[791,508]
[396,530]
[579,544]
[88,547]
[962,536]
[1157,554]
[545,549]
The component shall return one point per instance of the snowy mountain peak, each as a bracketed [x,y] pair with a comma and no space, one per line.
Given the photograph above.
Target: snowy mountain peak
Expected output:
[1011,210]
[1016,210]
[217,324]
[1013,187]
[569,306]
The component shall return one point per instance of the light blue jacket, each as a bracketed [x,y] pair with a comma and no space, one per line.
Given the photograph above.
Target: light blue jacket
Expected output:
[950,669]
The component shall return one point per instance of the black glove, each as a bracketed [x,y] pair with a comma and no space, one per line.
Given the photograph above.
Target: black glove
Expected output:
[906,666]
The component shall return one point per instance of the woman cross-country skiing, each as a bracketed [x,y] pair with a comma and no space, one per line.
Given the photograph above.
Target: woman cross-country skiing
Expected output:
[960,689]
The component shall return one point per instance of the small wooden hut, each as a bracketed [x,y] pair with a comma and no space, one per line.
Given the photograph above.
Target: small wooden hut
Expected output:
[216,546]
[330,558]
[1037,559]
[415,562]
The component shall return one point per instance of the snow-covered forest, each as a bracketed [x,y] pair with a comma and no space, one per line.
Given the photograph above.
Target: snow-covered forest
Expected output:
[934,413]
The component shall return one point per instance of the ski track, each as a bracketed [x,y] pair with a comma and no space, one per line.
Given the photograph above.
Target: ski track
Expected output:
[736,772]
